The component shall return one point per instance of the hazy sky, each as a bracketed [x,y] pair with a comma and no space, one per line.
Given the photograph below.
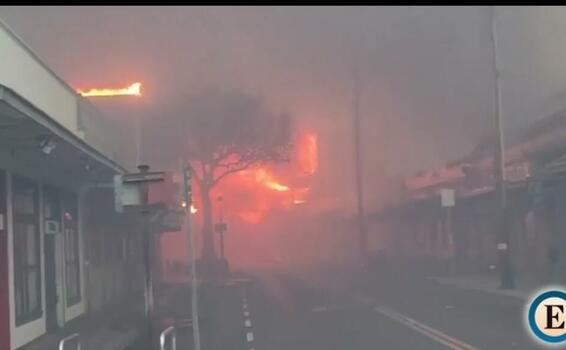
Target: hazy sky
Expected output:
[427,73]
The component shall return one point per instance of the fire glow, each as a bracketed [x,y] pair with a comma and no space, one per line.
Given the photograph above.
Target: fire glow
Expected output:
[252,194]
[264,177]
[132,90]
[307,153]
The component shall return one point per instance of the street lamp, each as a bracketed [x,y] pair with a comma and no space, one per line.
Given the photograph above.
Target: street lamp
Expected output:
[506,269]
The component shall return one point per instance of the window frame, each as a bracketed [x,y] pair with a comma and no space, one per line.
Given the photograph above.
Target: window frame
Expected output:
[72,248]
[21,273]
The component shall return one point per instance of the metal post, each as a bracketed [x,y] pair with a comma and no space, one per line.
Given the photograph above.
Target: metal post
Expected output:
[192,255]
[64,341]
[138,131]
[507,274]
[170,331]
[449,232]
[222,245]
[147,247]
[362,232]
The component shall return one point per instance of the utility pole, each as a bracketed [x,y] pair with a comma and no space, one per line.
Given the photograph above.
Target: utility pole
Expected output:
[505,266]
[187,192]
[362,232]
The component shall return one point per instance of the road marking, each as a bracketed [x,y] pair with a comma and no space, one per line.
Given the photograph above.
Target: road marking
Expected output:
[245,306]
[319,308]
[432,333]
[250,336]
[248,323]
[247,313]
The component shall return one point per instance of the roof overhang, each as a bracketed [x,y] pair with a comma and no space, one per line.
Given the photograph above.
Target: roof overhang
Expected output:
[21,108]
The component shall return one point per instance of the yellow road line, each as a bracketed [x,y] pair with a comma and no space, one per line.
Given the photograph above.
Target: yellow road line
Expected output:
[436,335]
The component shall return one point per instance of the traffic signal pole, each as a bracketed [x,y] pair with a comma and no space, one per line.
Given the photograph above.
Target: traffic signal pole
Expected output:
[187,191]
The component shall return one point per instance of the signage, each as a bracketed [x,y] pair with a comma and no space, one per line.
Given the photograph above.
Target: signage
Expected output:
[144,177]
[125,194]
[447,198]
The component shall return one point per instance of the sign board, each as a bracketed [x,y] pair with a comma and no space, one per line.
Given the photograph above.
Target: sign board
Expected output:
[125,194]
[128,189]
[144,177]
[447,197]
[52,227]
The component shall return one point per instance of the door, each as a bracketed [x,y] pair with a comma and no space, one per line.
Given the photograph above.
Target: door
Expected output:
[4,296]
[52,228]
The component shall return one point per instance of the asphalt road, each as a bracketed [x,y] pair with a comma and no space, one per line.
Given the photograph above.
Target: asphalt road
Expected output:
[349,310]
[389,310]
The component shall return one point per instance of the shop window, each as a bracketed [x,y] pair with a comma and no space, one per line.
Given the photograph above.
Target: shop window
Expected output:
[72,249]
[27,250]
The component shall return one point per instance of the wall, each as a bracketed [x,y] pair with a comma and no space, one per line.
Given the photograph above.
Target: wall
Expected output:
[23,72]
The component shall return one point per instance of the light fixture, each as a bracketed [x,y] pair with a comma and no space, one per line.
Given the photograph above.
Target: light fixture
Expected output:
[46,144]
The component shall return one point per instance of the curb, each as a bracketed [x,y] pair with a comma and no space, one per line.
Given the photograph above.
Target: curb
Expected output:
[495,292]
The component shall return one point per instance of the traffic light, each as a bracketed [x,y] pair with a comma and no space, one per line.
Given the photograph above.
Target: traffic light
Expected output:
[187,185]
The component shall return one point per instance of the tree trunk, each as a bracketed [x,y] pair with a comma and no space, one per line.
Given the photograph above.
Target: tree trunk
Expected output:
[208,251]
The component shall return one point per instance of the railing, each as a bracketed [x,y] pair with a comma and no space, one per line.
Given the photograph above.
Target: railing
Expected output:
[75,337]
[168,333]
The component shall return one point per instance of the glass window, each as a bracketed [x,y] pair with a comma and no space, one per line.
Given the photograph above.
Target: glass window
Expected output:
[72,261]
[27,258]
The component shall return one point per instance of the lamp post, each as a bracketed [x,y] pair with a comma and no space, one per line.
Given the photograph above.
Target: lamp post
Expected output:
[505,267]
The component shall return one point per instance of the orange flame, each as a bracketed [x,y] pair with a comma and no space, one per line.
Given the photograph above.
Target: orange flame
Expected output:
[259,190]
[132,90]
[264,177]
[308,153]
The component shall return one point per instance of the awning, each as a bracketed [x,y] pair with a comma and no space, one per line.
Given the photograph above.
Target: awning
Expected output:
[21,126]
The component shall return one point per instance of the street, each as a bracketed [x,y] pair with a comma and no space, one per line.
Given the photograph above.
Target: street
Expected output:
[282,312]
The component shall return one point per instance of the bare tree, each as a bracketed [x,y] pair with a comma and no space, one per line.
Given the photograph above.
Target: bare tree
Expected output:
[226,132]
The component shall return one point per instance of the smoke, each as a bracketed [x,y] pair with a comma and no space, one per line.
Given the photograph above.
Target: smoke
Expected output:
[426,73]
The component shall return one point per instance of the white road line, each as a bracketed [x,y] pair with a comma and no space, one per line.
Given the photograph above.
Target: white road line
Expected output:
[248,323]
[250,336]
[245,306]
[247,313]
[432,333]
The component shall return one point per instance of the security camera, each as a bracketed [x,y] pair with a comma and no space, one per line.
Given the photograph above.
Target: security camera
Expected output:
[46,144]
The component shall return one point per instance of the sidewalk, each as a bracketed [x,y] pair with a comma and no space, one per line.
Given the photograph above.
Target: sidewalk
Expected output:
[485,283]
[115,327]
